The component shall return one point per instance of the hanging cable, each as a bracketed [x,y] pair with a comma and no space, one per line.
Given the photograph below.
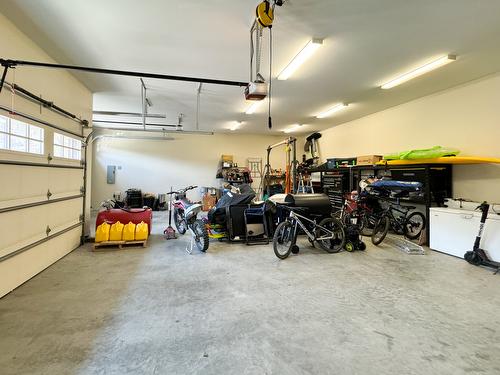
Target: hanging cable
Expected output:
[251,52]
[13,93]
[269,119]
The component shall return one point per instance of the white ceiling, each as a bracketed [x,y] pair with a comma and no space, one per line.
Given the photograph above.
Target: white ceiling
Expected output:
[367,42]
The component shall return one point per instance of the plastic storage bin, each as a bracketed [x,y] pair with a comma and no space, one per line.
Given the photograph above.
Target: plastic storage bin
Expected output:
[102,232]
[141,231]
[116,232]
[129,232]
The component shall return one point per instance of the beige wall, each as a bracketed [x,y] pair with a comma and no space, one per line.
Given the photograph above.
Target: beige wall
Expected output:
[155,165]
[29,184]
[466,117]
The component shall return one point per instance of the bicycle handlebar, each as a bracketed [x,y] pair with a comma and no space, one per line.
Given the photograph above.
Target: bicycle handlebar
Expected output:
[182,191]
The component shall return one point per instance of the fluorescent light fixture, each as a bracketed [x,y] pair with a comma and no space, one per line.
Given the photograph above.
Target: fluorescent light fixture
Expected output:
[236,125]
[253,107]
[292,128]
[332,110]
[419,71]
[300,58]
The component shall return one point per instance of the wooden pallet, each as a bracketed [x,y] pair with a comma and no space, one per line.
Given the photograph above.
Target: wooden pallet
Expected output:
[120,244]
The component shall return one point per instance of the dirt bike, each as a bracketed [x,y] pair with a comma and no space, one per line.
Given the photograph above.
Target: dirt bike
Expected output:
[185,217]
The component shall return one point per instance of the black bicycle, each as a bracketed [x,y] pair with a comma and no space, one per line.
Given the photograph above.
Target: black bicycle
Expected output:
[329,233]
[399,218]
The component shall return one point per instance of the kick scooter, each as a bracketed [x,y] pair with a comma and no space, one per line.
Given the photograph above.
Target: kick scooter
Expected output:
[478,256]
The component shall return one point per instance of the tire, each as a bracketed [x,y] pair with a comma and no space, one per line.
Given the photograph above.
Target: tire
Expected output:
[335,244]
[349,246]
[414,225]
[201,235]
[361,246]
[180,222]
[369,221]
[337,214]
[472,258]
[380,230]
[283,240]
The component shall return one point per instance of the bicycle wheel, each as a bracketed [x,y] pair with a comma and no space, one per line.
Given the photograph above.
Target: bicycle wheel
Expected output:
[414,225]
[180,222]
[369,221]
[380,230]
[337,214]
[201,238]
[337,242]
[283,240]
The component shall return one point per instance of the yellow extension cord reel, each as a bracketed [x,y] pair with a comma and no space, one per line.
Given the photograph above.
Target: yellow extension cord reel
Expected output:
[265,14]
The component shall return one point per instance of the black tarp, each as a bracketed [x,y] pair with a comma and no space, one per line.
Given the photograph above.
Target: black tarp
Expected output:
[217,215]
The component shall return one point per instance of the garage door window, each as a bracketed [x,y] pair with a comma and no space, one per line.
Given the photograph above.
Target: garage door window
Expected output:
[67,147]
[18,136]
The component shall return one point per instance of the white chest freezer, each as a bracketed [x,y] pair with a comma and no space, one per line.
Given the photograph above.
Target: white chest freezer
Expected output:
[453,231]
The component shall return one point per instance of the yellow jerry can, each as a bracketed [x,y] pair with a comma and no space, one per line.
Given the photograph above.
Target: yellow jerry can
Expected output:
[129,232]
[116,232]
[102,232]
[141,231]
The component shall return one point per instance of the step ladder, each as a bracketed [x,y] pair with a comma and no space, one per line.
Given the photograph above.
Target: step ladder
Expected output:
[305,184]
[255,167]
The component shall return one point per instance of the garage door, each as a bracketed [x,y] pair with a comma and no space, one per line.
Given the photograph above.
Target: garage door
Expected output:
[41,193]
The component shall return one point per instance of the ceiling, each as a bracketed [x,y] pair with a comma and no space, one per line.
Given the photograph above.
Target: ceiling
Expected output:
[366,43]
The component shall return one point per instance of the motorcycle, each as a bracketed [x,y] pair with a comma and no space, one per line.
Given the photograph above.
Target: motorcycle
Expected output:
[185,217]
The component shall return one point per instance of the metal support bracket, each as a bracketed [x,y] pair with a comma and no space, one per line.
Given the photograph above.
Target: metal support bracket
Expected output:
[6,65]
[49,194]
[48,230]
[13,63]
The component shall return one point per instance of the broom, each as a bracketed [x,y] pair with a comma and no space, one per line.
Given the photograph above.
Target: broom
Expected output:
[170,232]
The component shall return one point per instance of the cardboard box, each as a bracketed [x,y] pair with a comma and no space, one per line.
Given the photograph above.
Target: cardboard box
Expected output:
[368,159]
[227,158]
[208,202]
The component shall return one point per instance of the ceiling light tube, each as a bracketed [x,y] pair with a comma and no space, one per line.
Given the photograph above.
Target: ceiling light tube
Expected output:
[300,58]
[332,110]
[253,107]
[419,71]
[292,128]
[236,125]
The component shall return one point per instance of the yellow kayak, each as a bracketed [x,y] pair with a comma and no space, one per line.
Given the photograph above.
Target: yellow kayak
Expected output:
[443,160]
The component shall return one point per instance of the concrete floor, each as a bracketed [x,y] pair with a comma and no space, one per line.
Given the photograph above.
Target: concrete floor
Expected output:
[239,310]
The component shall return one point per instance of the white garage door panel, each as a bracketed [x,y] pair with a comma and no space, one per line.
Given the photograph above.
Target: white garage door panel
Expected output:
[20,268]
[64,181]
[22,184]
[23,227]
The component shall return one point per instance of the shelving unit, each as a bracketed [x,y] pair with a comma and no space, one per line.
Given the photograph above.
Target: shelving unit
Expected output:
[436,180]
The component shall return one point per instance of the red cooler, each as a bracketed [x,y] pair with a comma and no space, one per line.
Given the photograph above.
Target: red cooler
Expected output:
[135,215]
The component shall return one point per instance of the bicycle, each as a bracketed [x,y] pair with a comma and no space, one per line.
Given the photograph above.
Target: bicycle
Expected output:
[360,210]
[329,233]
[399,218]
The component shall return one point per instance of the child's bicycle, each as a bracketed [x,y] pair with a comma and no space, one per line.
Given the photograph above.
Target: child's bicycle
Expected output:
[329,233]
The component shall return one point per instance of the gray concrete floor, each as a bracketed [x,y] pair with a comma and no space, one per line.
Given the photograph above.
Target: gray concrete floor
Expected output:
[239,310]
